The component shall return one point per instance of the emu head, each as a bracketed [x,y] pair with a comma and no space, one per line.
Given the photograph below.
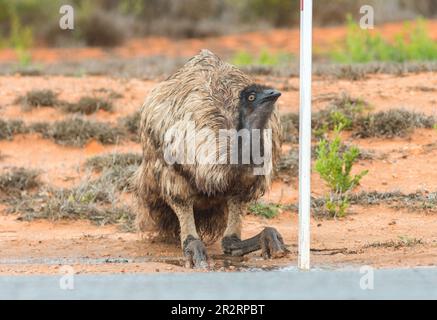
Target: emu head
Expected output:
[256,106]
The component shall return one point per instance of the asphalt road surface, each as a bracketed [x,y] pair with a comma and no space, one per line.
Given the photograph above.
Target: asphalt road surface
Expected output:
[418,283]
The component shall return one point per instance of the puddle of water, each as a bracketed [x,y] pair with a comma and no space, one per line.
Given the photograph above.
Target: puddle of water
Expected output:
[221,263]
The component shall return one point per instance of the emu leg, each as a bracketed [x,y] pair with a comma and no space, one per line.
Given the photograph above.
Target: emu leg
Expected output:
[192,247]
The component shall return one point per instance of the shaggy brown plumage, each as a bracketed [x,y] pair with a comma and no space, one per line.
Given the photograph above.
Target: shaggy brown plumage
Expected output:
[206,91]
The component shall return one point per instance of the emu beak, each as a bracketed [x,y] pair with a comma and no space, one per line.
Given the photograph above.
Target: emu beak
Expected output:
[270,95]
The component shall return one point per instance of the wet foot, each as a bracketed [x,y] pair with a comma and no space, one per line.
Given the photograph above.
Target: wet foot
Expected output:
[195,253]
[272,244]
[269,241]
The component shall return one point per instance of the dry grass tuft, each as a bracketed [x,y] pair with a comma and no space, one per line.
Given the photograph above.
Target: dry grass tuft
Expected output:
[97,200]
[392,123]
[72,204]
[414,202]
[100,163]
[88,105]
[17,180]
[402,242]
[355,116]
[38,98]
[9,128]
[288,166]
[77,132]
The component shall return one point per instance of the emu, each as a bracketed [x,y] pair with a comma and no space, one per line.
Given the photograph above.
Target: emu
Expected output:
[193,201]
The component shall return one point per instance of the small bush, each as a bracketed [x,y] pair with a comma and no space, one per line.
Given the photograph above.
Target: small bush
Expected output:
[47,98]
[9,128]
[120,177]
[73,132]
[38,98]
[335,169]
[288,165]
[344,110]
[392,123]
[268,211]
[413,202]
[290,127]
[131,124]
[71,204]
[116,169]
[111,94]
[88,105]
[15,181]
[77,132]
[354,115]
[97,200]
[99,163]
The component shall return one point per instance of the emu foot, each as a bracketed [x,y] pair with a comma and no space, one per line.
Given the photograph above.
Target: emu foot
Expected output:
[272,244]
[195,253]
[269,241]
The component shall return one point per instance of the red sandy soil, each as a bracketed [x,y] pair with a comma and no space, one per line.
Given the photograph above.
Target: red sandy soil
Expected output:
[282,40]
[36,247]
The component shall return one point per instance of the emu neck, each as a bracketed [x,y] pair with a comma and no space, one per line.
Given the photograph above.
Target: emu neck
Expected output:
[256,121]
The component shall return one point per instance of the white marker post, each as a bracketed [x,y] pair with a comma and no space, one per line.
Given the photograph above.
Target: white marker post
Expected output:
[306,21]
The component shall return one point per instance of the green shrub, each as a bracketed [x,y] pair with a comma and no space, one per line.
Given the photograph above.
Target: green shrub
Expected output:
[334,167]
[344,110]
[18,37]
[268,211]
[413,43]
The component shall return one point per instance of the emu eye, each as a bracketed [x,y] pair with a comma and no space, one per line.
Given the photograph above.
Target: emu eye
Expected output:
[251,97]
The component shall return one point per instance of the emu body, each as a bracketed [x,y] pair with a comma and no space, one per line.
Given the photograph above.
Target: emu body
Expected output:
[195,201]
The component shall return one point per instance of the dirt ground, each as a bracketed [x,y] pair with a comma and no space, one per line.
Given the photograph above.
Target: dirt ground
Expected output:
[363,237]
[42,246]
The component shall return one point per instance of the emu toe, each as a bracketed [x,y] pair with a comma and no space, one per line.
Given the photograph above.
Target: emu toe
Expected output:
[195,254]
[272,244]
[269,241]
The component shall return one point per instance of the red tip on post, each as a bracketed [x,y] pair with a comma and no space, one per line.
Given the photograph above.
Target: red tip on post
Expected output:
[301,4]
